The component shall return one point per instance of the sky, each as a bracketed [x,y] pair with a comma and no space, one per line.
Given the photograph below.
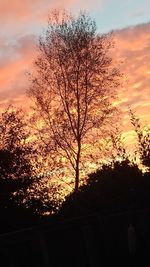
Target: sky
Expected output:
[23,21]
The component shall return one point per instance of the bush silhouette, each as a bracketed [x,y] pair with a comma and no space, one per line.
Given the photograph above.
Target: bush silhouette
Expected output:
[114,188]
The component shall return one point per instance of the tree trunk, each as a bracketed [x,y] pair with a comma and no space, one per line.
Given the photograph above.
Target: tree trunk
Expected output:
[77,177]
[77,170]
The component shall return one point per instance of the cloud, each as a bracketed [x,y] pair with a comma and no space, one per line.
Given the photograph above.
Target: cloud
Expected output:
[28,17]
[133,49]
[16,9]
[15,59]
[17,41]
[21,10]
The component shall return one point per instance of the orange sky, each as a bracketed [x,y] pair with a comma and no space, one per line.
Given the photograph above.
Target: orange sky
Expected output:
[23,22]
[132,47]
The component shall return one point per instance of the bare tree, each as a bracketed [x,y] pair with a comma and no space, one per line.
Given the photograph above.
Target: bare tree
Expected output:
[73,83]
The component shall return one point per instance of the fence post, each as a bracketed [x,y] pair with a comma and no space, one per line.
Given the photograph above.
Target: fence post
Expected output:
[44,251]
[91,247]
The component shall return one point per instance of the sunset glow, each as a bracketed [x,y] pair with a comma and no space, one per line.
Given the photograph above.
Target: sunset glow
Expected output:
[74,127]
[24,20]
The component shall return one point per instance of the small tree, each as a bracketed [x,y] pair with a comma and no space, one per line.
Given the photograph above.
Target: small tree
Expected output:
[74,84]
[16,169]
[15,150]
[118,151]
[143,136]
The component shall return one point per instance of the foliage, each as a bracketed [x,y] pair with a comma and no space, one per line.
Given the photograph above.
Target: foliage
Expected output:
[15,150]
[43,197]
[73,85]
[20,187]
[114,188]
[143,136]
[16,169]
[118,146]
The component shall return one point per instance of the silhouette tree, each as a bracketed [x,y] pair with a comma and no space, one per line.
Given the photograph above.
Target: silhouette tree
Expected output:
[16,169]
[115,187]
[73,84]
[117,144]
[43,196]
[143,136]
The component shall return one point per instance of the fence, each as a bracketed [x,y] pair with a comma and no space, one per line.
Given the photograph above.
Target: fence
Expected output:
[90,241]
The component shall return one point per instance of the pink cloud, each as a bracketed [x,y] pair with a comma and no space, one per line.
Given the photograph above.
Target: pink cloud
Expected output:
[15,60]
[26,17]
[16,9]
[132,48]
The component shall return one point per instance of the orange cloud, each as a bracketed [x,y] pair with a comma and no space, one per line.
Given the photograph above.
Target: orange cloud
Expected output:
[133,49]
[15,59]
